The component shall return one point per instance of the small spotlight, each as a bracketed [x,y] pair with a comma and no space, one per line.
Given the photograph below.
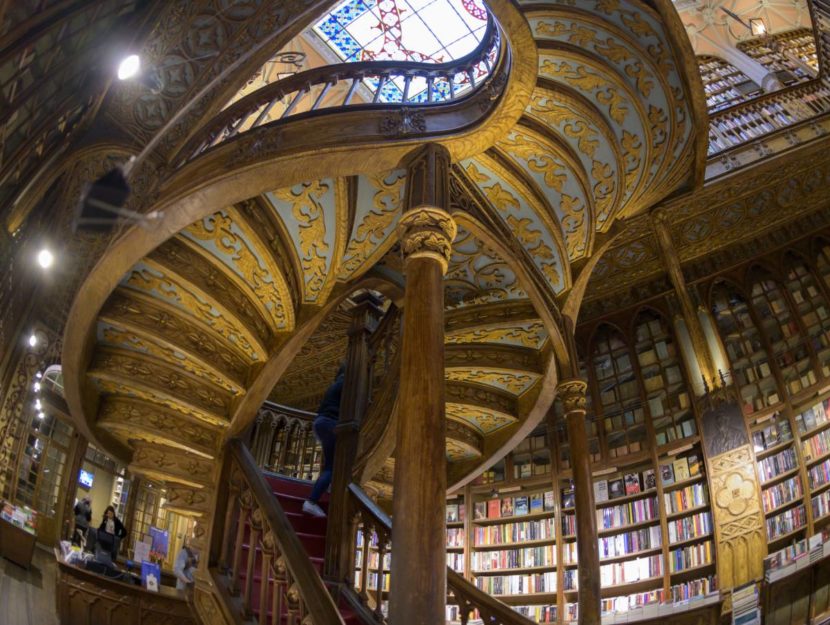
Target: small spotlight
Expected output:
[38,405]
[38,375]
[129,67]
[45,258]
[32,340]
[36,386]
[41,415]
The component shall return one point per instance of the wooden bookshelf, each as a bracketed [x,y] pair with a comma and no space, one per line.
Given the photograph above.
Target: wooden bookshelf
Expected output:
[792,58]
[724,84]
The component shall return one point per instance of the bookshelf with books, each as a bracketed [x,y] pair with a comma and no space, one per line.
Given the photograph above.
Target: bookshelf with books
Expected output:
[667,398]
[812,422]
[813,308]
[514,551]
[616,388]
[724,84]
[792,58]
[782,332]
[750,364]
[456,516]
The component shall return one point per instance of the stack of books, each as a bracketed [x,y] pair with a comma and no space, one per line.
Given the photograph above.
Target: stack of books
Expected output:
[745,610]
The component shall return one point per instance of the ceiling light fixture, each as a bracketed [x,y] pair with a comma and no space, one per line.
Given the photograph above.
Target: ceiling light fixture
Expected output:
[129,67]
[45,258]
[36,386]
[32,340]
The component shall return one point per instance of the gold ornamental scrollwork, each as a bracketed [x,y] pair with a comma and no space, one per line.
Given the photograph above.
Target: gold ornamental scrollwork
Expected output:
[427,232]
[573,392]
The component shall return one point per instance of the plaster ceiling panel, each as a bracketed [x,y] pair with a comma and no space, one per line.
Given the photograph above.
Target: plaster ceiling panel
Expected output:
[477,275]
[457,452]
[580,126]
[227,238]
[558,180]
[313,214]
[510,381]
[485,421]
[534,229]
[530,334]
[154,280]
[377,209]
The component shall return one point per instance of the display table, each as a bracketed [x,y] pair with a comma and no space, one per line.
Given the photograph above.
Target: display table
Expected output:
[84,598]
[16,544]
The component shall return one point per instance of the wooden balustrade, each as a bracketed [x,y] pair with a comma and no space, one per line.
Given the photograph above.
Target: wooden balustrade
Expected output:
[371,533]
[289,588]
[282,441]
[333,87]
[762,116]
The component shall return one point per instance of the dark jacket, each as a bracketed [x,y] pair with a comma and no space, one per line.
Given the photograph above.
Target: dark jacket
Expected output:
[83,514]
[330,406]
[120,530]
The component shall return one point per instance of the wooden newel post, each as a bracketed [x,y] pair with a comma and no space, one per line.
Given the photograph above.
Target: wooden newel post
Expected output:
[572,393]
[353,404]
[419,568]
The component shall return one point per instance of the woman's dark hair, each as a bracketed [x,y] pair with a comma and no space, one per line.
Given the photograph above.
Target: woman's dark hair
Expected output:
[108,509]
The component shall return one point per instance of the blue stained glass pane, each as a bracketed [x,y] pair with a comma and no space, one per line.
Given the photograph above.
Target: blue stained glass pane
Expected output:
[391,93]
[345,44]
[421,97]
[349,11]
[329,27]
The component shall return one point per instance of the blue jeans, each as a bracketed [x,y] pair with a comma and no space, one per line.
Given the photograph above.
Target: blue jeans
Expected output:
[324,431]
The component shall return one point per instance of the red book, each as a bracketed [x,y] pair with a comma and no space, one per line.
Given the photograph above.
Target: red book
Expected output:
[494,509]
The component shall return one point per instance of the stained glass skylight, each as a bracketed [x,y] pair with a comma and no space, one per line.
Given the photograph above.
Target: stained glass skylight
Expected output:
[424,31]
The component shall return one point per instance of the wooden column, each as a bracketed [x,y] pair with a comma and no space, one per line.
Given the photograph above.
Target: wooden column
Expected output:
[659,221]
[353,404]
[572,393]
[419,561]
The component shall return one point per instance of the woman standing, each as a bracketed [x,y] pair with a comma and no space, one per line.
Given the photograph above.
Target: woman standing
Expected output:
[111,524]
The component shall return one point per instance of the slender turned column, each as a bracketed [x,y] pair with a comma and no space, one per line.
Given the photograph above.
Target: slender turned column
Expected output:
[353,405]
[572,393]
[659,221]
[419,561]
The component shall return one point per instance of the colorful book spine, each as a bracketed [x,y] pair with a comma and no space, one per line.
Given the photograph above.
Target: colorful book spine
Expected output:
[538,613]
[569,524]
[571,580]
[776,465]
[786,522]
[782,493]
[690,496]
[456,562]
[821,505]
[689,527]
[690,556]
[517,584]
[630,513]
[514,558]
[514,532]
[626,603]
[819,475]
[455,537]
[817,445]
[694,588]
[630,542]
[630,571]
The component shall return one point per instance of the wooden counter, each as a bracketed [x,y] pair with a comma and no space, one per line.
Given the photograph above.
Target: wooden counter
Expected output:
[16,544]
[84,598]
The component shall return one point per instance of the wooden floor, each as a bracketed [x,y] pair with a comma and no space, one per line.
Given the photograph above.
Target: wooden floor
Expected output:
[28,597]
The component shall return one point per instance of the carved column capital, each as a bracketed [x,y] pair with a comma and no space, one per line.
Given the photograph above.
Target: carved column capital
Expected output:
[659,216]
[427,232]
[573,393]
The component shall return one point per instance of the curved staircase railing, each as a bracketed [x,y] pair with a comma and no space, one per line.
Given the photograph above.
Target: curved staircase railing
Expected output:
[484,68]
[371,532]
[293,591]
[283,442]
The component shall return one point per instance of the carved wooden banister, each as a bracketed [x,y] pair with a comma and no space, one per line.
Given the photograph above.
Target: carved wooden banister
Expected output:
[290,589]
[767,114]
[372,532]
[483,68]
[278,429]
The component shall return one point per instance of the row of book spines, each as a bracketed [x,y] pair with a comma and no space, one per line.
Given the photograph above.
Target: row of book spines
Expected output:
[782,493]
[690,496]
[456,512]
[694,588]
[779,463]
[454,533]
[627,602]
[517,584]
[456,562]
[786,522]
[513,506]
[819,475]
[680,469]
[631,570]
[514,558]
[689,527]
[630,542]
[629,513]
[771,435]
[690,556]
[538,613]
[817,445]
[813,416]
[821,504]
[514,532]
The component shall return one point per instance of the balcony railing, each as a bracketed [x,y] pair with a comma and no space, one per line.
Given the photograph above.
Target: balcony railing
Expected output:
[767,125]
[282,442]
[334,87]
